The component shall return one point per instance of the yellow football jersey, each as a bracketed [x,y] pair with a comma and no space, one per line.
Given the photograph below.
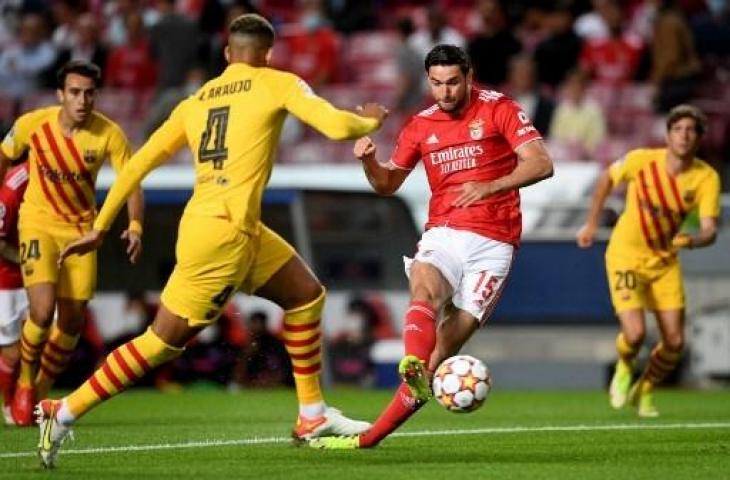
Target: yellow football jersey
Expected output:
[63,169]
[658,202]
[232,126]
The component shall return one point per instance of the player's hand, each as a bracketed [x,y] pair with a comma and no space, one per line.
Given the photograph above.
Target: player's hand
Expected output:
[134,244]
[372,110]
[471,192]
[585,235]
[87,243]
[364,148]
[682,240]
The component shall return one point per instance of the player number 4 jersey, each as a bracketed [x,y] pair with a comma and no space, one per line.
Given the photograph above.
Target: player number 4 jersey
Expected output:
[479,145]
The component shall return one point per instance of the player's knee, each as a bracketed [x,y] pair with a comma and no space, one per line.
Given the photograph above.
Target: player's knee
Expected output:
[307,312]
[674,341]
[42,313]
[10,356]
[426,295]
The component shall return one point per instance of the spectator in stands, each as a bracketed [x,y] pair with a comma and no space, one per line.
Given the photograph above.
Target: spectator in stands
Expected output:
[175,44]
[592,25]
[116,13]
[349,350]
[558,53]
[65,13]
[138,315]
[130,65]
[675,64]
[166,102]
[312,46]
[491,49]
[263,361]
[23,63]
[437,31]
[578,126]
[712,31]
[613,60]
[85,45]
[350,16]
[522,86]
[410,87]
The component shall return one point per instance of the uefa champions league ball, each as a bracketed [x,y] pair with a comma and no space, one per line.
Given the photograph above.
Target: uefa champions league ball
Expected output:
[461,383]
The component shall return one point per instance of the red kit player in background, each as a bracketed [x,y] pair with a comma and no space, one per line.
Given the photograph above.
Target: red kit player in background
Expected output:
[478,148]
[13,300]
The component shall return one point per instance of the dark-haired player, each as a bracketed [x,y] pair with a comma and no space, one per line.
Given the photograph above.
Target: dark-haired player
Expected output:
[478,148]
[66,145]
[642,262]
[232,125]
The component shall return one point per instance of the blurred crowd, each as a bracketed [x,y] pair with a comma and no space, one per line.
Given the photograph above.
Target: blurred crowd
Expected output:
[240,351]
[595,75]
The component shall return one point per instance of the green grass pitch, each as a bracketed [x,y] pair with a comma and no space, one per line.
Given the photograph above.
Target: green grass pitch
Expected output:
[210,434]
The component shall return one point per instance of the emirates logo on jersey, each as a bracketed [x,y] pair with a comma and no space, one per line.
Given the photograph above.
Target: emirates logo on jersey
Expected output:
[476,129]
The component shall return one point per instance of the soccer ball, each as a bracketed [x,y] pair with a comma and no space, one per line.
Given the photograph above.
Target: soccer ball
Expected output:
[461,383]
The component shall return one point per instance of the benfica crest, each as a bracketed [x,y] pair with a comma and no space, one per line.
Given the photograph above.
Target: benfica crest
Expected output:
[476,129]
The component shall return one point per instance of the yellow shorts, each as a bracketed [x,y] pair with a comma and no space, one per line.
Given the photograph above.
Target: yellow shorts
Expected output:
[647,282]
[272,252]
[41,243]
[213,258]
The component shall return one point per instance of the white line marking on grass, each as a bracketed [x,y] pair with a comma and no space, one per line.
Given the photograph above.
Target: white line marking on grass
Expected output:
[422,433]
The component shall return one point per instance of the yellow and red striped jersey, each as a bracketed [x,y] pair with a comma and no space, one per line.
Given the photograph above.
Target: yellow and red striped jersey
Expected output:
[63,169]
[657,202]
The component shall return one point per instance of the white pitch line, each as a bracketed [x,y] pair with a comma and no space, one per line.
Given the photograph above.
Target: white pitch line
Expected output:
[422,433]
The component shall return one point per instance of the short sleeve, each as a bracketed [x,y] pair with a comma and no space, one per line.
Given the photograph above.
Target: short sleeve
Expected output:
[708,196]
[119,150]
[406,152]
[16,141]
[624,169]
[513,123]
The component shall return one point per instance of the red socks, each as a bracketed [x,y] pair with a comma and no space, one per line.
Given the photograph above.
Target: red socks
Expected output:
[419,330]
[419,336]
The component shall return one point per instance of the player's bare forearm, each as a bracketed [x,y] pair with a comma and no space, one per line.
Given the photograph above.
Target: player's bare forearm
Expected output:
[9,252]
[383,179]
[534,166]
[704,238]
[601,193]
[379,177]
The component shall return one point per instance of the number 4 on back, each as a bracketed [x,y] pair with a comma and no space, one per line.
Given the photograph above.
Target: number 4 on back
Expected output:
[213,141]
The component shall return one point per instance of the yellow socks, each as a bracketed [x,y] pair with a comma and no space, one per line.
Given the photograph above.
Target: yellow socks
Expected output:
[56,353]
[661,363]
[31,346]
[122,368]
[302,338]
[626,352]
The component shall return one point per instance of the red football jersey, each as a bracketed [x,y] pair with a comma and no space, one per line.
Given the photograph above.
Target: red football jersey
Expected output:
[478,145]
[11,194]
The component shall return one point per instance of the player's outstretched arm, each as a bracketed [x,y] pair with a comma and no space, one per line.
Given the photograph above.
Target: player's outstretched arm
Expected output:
[331,122]
[383,179]
[587,233]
